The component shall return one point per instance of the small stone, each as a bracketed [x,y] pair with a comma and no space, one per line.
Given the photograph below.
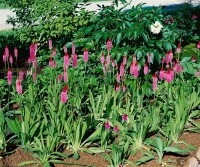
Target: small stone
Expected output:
[192,162]
[198,154]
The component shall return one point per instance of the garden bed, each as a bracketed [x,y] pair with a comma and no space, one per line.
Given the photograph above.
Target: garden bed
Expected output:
[98,160]
[124,92]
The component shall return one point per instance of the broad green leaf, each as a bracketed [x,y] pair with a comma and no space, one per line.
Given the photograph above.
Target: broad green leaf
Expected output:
[144,160]
[26,163]
[119,38]
[176,150]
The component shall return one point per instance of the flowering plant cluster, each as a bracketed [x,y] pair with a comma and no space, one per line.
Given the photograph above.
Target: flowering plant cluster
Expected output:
[103,103]
[109,96]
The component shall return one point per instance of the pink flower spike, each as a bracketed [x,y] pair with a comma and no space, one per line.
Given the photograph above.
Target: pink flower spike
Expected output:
[65,76]
[104,69]
[106,64]
[102,58]
[113,63]
[193,59]
[50,44]
[54,64]
[155,80]
[146,69]
[132,67]
[109,44]
[172,74]
[15,52]
[4,57]
[198,45]
[167,58]
[149,58]
[18,86]
[178,67]
[11,59]
[60,77]
[29,60]
[168,76]
[65,49]
[170,55]
[178,50]
[117,88]
[32,52]
[73,48]
[66,60]
[108,59]
[125,117]
[122,70]
[107,125]
[124,88]
[21,75]
[194,17]
[35,63]
[34,75]
[50,62]
[116,129]
[161,74]
[118,77]
[74,60]
[9,77]
[124,60]
[85,55]
[6,51]
[135,70]
[54,52]
[197,73]
[64,94]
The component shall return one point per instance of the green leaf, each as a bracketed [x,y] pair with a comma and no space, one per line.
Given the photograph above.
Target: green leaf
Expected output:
[159,144]
[196,124]
[167,46]
[157,57]
[119,38]
[135,34]
[176,150]
[139,54]
[26,163]
[144,159]
[195,113]
[145,37]
[60,154]
[76,156]
[13,125]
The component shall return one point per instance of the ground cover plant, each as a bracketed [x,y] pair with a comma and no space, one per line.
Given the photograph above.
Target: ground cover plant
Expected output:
[112,95]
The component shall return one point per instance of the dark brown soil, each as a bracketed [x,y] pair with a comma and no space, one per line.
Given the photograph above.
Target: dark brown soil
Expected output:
[16,158]
[98,160]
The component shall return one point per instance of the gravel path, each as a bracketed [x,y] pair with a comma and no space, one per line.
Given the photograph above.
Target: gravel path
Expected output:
[4,13]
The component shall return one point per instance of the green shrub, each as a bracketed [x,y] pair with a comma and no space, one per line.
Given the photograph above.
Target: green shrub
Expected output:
[40,20]
[130,32]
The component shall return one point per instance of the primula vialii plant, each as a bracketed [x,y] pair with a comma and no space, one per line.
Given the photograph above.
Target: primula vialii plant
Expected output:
[82,101]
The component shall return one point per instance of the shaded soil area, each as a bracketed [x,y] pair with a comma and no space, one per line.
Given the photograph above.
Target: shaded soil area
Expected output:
[98,160]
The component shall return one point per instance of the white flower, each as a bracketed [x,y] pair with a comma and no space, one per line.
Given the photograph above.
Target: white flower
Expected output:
[158,24]
[156,27]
